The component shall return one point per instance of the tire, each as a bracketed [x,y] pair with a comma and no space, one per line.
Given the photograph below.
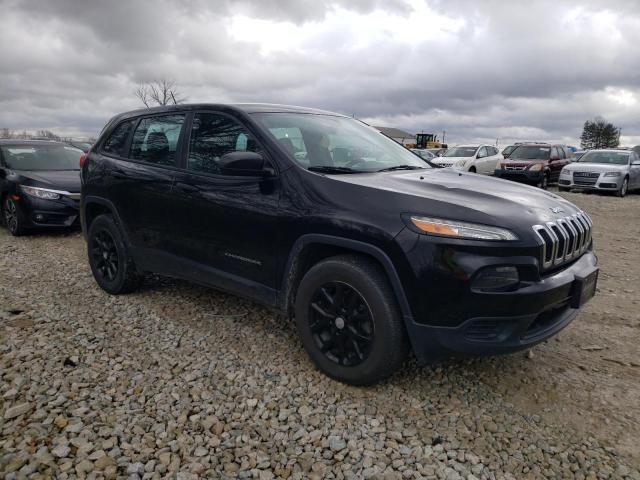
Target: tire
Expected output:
[109,258]
[544,183]
[473,170]
[624,188]
[372,329]
[12,218]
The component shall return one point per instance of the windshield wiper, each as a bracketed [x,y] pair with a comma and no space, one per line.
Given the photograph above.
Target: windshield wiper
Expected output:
[401,167]
[333,169]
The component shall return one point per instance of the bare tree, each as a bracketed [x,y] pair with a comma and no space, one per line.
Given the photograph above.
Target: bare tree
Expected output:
[159,92]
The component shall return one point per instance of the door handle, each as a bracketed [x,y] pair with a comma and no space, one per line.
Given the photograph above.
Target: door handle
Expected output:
[186,188]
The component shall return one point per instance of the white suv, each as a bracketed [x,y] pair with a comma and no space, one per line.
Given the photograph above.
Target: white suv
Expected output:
[471,158]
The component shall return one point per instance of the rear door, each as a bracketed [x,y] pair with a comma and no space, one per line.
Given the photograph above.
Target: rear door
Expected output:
[227,224]
[140,179]
[555,166]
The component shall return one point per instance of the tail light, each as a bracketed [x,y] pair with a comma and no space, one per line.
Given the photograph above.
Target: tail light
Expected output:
[83,158]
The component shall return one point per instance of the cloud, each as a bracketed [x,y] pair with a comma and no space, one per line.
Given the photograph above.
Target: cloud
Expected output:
[480,70]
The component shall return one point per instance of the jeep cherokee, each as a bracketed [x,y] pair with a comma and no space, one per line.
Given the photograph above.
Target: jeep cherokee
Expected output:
[371,250]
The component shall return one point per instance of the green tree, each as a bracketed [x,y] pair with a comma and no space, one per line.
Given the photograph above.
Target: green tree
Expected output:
[599,133]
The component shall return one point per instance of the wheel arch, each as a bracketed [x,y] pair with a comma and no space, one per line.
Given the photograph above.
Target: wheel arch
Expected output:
[309,249]
[92,207]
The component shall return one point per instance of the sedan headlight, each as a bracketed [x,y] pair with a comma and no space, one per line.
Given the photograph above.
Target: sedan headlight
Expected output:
[461,163]
[565,173]
[41,192]
[456,229]
[536,167]
[612,174]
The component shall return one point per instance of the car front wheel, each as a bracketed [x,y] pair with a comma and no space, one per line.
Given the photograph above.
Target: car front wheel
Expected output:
[109,258]
[349,321]
[12,217]
[624,188]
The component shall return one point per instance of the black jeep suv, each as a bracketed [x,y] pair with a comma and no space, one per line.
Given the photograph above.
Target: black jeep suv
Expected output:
[373,251]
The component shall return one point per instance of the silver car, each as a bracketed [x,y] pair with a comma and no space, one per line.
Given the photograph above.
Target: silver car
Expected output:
[603,170]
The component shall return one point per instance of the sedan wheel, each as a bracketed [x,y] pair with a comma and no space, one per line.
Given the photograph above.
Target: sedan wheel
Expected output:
[12,218]
[624,188]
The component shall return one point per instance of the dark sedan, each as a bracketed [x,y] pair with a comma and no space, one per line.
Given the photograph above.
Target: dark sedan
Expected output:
[39,185]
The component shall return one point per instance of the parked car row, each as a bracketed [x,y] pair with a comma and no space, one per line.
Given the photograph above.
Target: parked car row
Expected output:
[372,251]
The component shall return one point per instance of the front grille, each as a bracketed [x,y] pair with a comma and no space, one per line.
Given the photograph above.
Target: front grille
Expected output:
[442,164]
[586,174]
[564,239]
[508,167]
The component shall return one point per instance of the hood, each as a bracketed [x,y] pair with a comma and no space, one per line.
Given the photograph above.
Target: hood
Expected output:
[522,162]
[439,160]
[595,167]
[448,193]
[66,180]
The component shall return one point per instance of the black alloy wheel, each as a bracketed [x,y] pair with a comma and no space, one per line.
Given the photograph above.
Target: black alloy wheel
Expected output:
[105,255]
[349,320]
[341,323]
[111,263]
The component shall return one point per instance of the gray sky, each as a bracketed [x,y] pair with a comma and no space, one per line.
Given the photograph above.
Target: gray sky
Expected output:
[480,70]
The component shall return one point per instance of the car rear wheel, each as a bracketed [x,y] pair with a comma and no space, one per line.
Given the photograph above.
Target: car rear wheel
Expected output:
[109,258]
[12,217]
[624,188]
[349,321]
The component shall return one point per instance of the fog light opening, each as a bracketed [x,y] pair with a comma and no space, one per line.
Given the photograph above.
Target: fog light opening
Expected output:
[496,279]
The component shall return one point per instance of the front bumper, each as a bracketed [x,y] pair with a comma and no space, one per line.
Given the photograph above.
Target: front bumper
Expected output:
[507,321]
[591,183]
[41,213]
[522,176]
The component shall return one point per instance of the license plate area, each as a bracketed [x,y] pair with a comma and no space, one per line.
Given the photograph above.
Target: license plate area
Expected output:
[584,289]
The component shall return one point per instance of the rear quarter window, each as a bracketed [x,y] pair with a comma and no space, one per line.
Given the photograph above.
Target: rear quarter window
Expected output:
[116,143]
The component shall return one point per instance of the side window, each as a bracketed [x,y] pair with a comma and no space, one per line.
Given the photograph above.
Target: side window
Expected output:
[482,152]
[117,141]
[156,139]
[554,153]
[494,151]
[213,135]
[562,153]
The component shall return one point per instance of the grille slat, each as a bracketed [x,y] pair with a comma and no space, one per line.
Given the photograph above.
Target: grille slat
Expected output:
[565,239]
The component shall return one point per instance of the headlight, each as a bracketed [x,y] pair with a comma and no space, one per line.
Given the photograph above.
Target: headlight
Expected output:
[565,172]
[536,167]
[612,174]
[461,163]
[453,228]
[40,192]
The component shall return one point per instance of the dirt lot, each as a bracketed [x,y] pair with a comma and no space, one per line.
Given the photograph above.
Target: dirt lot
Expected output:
[180,381]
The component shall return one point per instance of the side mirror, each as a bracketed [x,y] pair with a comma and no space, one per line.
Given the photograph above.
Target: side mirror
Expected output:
[636,163]
[244,164]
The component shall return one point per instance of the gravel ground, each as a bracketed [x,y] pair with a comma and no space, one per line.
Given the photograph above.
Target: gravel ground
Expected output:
[183,382]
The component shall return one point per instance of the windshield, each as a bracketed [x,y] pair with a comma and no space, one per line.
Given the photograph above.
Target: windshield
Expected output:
[41,157]
[530,153]
[615,158]
[461,152]
[341,143]
[508,150]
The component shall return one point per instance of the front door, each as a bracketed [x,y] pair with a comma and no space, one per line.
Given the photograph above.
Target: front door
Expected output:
[227,224]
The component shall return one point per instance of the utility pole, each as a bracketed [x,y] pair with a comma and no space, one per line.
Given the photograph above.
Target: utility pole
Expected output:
[444,132]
